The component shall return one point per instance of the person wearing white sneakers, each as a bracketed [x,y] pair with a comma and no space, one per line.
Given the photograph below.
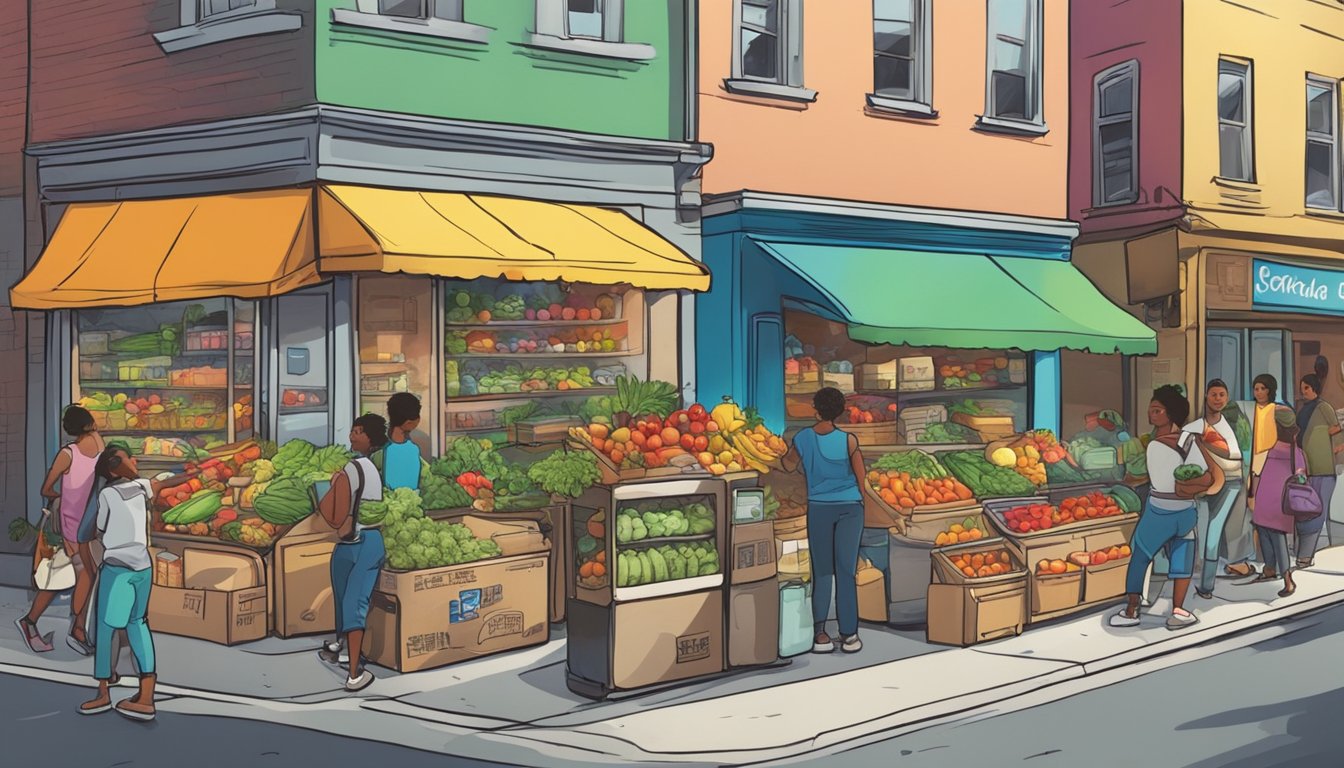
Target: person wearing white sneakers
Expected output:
[1169,518]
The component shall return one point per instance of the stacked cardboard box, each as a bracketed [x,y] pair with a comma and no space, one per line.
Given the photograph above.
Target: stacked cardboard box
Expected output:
[915,420]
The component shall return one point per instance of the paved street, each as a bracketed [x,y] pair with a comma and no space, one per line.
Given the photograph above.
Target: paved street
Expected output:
[41,727]
[1276,703]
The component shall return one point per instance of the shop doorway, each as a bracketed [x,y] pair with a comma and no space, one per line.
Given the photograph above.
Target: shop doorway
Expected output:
[303,410]
[1238,355]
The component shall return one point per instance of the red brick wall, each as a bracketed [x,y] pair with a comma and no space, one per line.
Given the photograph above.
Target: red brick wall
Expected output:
[97,70]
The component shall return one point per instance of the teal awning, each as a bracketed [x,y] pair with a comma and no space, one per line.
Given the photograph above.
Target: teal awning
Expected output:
[964,301]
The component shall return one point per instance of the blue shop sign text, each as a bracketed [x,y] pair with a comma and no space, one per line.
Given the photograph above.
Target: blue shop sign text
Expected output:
[1280,286]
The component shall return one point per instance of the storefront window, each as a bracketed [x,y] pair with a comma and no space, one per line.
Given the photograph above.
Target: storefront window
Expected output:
[931,395]
[395,341]
[166,377]
[517,350]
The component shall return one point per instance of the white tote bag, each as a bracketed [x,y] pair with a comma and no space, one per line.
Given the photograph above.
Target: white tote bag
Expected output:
[55,571]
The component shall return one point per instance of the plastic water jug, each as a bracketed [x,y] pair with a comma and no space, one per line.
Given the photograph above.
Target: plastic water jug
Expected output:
[795,618]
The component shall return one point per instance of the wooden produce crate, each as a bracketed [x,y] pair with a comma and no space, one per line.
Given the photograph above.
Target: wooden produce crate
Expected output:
[612,474]
[541,431]
[966,610]
[885,433]
[925,523]
[990,428]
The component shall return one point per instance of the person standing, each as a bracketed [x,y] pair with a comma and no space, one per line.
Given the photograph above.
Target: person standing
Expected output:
[1264,435]
[833,467]
[359,556]
[125,578]
[1272,522]
[1318,425]
[73,469]
[399,461]
[1216,510]
[1168,520]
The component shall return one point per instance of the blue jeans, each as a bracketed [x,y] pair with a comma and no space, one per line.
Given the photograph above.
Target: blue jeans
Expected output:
[354,574]
[1309,531]
[1274,549]
[1172,531]
[833,534]
[123,601]
[1214,512]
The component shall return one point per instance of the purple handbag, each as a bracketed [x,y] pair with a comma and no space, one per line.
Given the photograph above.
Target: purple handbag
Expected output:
[1300,500]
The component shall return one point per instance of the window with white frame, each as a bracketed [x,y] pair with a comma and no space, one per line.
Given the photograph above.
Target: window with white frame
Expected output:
[1236,143]
[758,35]
[1322,168]
[902,51]
[448,10]
[590,27]
[1115,127]
[768,49]
[1013,74]
[209,8]
[584,18]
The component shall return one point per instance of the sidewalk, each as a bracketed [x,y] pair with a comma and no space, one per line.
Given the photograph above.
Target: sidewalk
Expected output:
[515,708]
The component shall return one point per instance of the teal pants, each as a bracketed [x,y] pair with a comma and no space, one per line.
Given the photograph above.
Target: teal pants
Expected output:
[123,602]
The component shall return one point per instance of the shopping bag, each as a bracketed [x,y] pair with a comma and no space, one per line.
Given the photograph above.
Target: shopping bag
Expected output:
[1300,500]
[53,570]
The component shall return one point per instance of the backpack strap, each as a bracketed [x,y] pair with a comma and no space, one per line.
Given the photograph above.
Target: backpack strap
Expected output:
[359,497]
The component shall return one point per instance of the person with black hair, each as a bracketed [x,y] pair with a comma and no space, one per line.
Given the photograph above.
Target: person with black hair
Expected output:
[834,470]
[1273,524]
[1169,519]
[359,556]
[399,461]
[125,578]
[1318,429]
[1219,436]
[73,470]
[1264,434]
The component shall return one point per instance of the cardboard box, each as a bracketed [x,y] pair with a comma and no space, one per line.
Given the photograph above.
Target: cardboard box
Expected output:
[877,376]
[752,556]
[438,616]
[872,588]
[225,617]
[1056,591]
[916,374]
[301,580]
[1107,581]
[687,641]
[514,537]
[220,571]
[753,623]
[964,610]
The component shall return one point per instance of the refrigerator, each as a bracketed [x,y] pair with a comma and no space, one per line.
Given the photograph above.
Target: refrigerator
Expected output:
[637,616]
[752,599]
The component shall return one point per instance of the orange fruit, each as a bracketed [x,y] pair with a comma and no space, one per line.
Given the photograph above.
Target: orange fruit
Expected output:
[1058,566]
[968,571]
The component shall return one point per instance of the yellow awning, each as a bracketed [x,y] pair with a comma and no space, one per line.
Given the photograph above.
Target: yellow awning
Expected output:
[470,236]
[250,245]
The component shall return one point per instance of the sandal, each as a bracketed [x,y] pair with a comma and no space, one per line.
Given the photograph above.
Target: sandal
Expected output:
[1240,570]
[1266,575]
[37,643]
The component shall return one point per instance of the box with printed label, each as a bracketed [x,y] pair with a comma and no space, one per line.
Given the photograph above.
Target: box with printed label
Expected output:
[752,552]
[223,597]
[438,616]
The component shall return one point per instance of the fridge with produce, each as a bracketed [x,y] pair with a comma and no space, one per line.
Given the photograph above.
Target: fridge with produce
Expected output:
[646,601]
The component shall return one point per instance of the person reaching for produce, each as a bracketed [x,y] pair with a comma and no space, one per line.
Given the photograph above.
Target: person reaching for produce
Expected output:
[1170,516]
[125,578]
[360,554]
[400,461]
[74,470]
[833,467]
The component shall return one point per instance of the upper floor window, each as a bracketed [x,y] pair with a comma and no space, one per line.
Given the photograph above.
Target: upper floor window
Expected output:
[589,27]
[204,22]
[1236,144]
[1115,113]
[585,18]
[768,49]
[1322,144]
[1013,76]
[449,10]
[902,59]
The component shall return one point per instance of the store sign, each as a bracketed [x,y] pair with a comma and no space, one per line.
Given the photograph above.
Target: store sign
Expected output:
[1280,286]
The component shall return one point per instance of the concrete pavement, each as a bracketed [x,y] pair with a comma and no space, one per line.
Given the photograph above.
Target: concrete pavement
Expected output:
[514,708]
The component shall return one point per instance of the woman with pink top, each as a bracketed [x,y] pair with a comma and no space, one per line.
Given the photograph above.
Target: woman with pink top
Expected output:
[73,470]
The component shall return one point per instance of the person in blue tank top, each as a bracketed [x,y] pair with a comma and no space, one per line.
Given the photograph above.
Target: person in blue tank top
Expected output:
[400,459]
[829,459]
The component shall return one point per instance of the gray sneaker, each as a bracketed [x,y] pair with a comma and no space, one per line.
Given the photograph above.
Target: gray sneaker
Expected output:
[1181,620]
[364,680]
[851,644]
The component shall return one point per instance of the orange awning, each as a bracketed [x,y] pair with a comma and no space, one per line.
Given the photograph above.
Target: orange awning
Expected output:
[249,245]
[457,235]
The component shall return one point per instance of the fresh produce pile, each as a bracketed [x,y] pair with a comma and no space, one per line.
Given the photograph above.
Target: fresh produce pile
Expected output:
[252,531]
[284,501]
[199,507]
[477,378]
[167,447]
[1025,460]
[632,525]
[916,464]
[301,460]
[985,480]
[1064,473]
[1042,517]
[547,305]
[526,342]
[165,341]
[973,408]
[1050,567]
[909,479]
[1099,557]
[984,372]
[415,542]
[960,533]
[876,415]
[440,492]
[567,473]
[400,502]
[983,564]
[948,432]
[666,563]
